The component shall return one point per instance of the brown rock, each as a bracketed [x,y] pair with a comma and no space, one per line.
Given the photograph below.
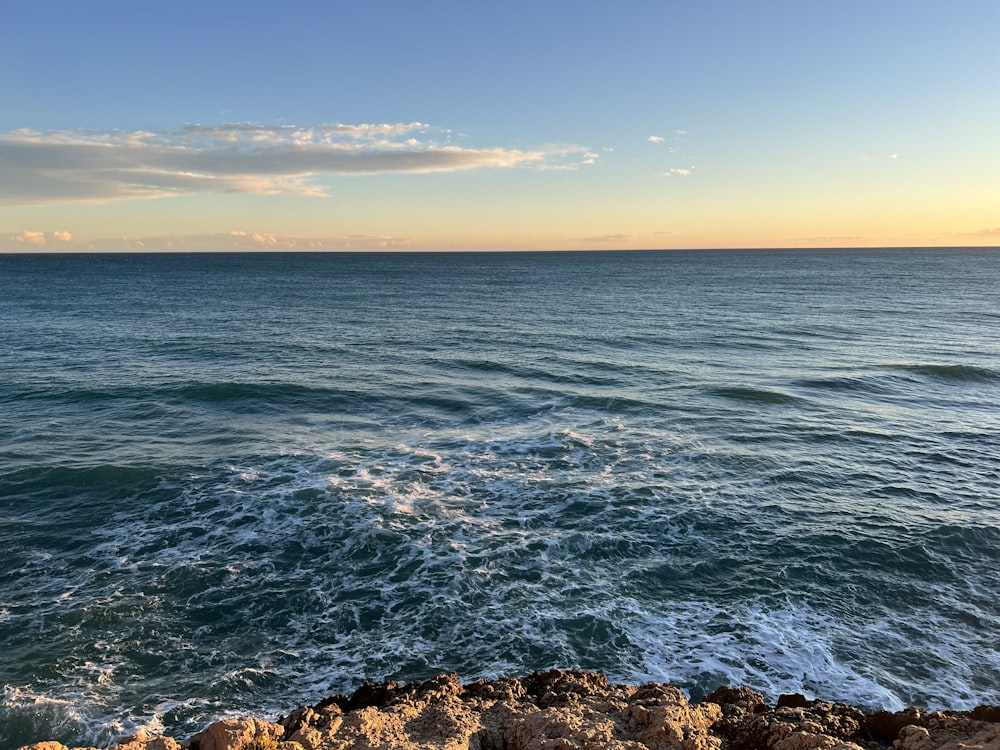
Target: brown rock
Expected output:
[985,739]
[953,731]
[796,724]
[985,713]
[555,709]
[574,710]
[812,741]
[143,740]
[238,734]
[884,726]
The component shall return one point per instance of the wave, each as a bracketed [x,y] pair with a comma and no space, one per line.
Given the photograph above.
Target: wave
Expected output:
[848,384]
[755,395]
[268,392]
[59,393]
[959,373]
[79,719]
[899,385]
[560,372]
[26,717]
[53,483]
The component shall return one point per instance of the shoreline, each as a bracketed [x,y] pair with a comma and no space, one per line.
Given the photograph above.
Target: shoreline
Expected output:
[569,709]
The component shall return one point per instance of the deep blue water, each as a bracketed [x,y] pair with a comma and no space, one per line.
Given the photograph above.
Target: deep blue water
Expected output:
[235,483]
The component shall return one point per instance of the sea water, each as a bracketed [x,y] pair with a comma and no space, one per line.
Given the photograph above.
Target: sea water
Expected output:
[235,483]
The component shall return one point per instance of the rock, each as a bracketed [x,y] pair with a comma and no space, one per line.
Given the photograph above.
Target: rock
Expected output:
[884,726]
[143,740]
[795,724]
[985,713]
[555,709]
[985,739]
[239,734]
[952,731]
[913,737]
[312,728]
[575,710]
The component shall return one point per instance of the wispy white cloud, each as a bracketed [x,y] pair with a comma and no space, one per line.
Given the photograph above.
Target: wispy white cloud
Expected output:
[78,165]
[233,240]
[678,172]
[265,240]
[28,237]
[33,239]
[656,139]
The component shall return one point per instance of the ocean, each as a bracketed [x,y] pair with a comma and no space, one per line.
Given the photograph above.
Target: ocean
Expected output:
[235,483]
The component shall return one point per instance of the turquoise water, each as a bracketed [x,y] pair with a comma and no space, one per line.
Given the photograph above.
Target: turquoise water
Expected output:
[235,483]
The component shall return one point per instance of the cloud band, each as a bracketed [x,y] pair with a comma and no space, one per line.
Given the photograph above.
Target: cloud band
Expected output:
[53,166]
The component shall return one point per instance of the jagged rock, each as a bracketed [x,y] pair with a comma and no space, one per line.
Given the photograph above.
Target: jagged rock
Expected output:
[985,713]
[884,726]
[796,724]
[952,731]
[986,739]
[238,734]
[575,710]
[555,709]
[143,740]
[312,728]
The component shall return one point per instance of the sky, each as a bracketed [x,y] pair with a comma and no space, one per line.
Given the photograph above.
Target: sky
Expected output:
[441,125]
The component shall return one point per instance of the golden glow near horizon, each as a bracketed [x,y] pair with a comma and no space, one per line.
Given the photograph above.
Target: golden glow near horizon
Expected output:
[777,127]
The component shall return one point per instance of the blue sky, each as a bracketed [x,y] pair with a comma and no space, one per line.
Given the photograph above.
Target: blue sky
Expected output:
[550,125]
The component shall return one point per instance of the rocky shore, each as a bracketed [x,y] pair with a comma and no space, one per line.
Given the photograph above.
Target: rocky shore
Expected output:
[566,710]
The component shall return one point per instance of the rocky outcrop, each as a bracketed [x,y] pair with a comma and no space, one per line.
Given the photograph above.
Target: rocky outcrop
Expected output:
[238,734]
[572,710]
[557,710]
[796,723]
